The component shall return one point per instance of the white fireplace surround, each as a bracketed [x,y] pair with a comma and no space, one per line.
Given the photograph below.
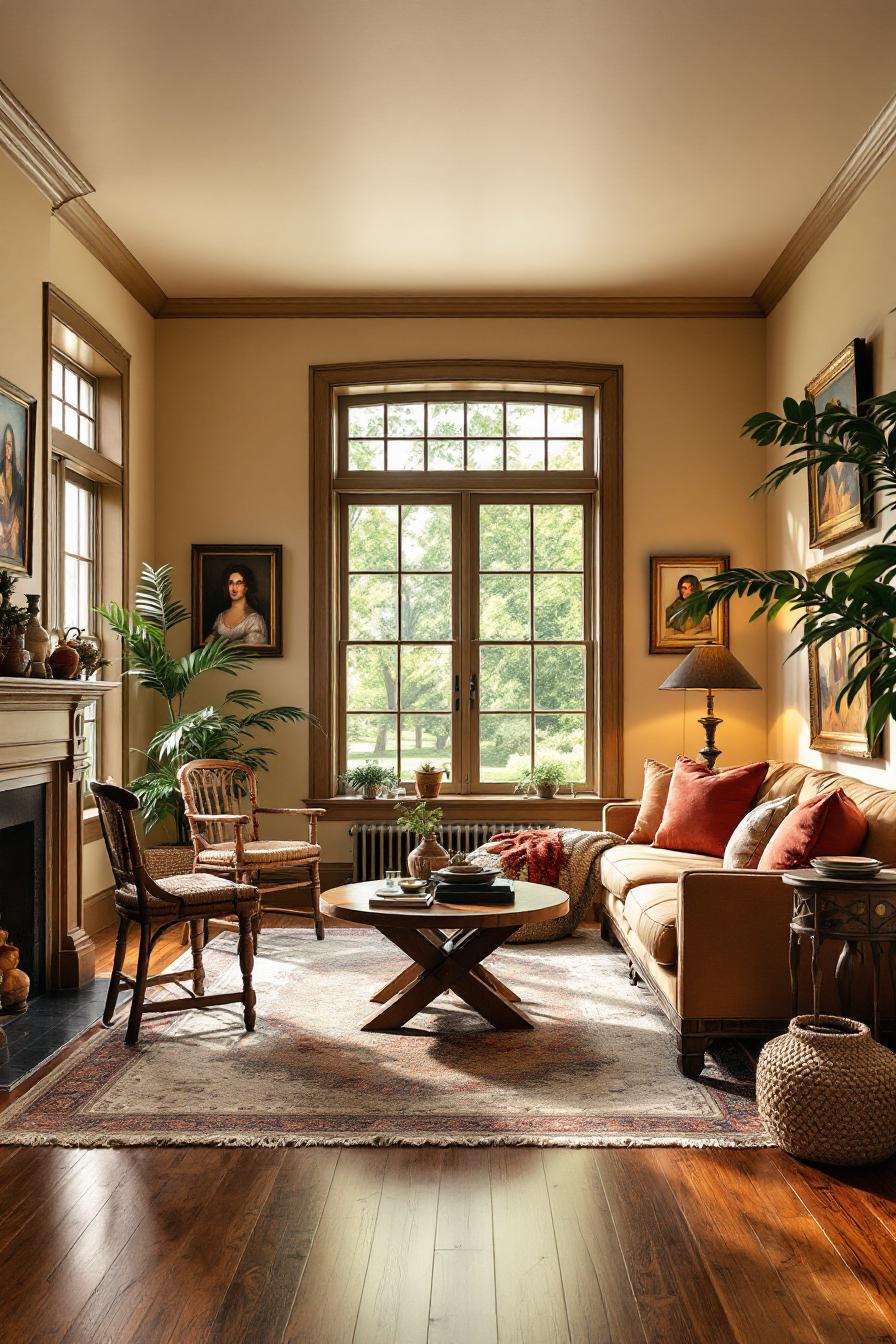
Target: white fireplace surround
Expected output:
[42,742]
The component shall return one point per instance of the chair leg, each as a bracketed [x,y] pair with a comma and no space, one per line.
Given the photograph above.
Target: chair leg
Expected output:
[256,930]
[136,1016]
[196,940]
[315,898]
[247,960]
[121,943]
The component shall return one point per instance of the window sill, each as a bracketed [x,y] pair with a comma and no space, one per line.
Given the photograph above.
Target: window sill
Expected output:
[90,826]
[583,810]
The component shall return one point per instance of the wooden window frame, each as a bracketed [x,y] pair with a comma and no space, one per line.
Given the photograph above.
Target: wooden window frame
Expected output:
[602,383]
[85,344]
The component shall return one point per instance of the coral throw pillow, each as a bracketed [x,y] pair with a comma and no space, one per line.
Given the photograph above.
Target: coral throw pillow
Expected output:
[703,807]
[829,823]
[657,779]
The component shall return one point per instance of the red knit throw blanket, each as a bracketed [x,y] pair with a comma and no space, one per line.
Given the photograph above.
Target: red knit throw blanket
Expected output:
[541,852]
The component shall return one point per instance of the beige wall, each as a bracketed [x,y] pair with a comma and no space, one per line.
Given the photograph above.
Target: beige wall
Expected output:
[847,290]
[232,465]
[35,248]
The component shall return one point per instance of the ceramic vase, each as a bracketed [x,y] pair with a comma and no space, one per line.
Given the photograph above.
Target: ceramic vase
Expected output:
[64,662]
[37,639]
[428,783]
[428,854]
[827,1092]
[17,659]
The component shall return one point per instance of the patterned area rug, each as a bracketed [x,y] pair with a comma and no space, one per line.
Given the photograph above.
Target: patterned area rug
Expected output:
[598,1070]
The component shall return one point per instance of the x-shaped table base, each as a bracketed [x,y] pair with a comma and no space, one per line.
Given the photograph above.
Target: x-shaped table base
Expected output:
[441,962]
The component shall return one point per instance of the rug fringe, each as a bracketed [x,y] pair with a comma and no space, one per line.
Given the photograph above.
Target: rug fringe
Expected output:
[31,1140]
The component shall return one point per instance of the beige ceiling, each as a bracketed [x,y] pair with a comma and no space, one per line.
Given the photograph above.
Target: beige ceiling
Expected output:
[612,147]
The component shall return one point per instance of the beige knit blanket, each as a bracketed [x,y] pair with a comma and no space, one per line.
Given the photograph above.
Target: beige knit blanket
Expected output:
[579,878]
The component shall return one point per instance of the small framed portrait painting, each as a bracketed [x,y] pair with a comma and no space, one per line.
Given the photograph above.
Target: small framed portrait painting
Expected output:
[840,503]
[838,729]
[237,595]
[673,578]
[18,413]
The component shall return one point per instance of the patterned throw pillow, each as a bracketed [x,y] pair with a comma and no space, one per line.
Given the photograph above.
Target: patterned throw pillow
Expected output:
[751,835]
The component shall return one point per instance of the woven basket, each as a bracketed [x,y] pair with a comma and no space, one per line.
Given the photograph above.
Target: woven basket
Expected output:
[828,1093]
[168,860]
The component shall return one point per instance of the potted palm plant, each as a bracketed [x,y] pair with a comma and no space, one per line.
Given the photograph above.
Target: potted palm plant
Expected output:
[225,732]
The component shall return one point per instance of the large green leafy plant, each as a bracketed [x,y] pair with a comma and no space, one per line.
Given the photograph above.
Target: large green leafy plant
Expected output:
[187,734]
[860,597]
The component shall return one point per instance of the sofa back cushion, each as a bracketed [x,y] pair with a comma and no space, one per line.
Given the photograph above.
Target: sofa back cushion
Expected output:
[703,807]
[657,779]
[878,805]
[828,823]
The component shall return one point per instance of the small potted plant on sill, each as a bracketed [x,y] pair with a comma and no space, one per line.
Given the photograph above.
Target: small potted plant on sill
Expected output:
[545,779]
[423,821]
[369,779]
[429,779]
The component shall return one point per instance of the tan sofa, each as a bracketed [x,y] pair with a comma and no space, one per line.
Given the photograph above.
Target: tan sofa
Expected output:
[712,943]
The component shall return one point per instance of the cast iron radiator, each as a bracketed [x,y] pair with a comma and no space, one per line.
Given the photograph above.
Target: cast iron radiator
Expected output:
[378,847]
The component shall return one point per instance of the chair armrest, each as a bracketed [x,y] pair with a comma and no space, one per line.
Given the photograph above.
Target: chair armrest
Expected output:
[238,817]
[733,941]
[620,817]
[297,811]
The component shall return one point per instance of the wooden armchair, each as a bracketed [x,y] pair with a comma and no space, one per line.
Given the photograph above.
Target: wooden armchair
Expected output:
[155,905]
[221,803]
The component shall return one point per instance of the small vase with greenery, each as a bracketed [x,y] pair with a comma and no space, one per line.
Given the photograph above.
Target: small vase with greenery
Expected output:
[187,734]
[859,598]
[544,779]
[369,779]
[425,822]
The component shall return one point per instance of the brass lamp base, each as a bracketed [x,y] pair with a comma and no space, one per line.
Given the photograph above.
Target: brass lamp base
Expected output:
[709,751]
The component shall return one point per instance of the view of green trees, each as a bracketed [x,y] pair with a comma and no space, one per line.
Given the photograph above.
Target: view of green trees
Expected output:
[400,627]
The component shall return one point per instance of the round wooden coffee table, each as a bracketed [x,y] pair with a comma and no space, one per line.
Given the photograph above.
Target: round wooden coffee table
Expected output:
[447,945]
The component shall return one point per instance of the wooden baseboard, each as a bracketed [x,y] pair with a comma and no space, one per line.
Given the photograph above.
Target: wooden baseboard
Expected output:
[334,875]
[99,911]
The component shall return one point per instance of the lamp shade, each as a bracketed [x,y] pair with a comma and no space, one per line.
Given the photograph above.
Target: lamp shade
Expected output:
[710,667]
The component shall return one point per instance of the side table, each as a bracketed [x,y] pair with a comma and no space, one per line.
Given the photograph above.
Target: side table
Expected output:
[856,911]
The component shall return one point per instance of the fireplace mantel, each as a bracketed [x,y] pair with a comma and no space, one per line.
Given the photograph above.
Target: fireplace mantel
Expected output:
[42,742]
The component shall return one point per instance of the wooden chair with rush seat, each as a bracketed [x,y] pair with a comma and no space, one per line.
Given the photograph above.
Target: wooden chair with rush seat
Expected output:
[221,803]
[155,906]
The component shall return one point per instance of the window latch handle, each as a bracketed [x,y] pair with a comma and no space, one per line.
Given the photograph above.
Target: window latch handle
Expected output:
[473,689]
[457,693]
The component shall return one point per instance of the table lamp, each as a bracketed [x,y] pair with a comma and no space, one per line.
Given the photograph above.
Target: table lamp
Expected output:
[710,667]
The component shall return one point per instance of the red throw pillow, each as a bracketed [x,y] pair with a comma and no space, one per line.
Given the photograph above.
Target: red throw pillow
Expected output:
[829,823]
[703,807]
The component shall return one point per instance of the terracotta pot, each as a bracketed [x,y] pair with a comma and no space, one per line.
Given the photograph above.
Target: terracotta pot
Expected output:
[828,1093]
[428,783]
[428,854]
[547,790]
[64,662]
[37,639]
[17,659]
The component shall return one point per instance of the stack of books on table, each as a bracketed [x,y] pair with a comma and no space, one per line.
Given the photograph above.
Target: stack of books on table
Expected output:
[497,891]
[385,897]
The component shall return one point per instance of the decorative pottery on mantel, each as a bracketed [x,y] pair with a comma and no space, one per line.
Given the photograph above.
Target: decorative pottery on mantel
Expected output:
[64,662]
[37,639]
[827,1093]
[428,854]
[16,659]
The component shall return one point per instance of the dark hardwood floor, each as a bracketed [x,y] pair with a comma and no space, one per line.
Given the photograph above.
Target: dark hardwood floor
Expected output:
[450,1246]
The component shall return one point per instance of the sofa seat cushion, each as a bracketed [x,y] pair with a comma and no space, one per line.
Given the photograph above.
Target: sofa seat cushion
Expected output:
[651,911]
[625,866]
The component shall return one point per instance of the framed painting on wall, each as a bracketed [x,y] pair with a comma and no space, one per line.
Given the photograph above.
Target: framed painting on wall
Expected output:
[840,730]
[673,578]
[18,413]
[237,595]
[840,503]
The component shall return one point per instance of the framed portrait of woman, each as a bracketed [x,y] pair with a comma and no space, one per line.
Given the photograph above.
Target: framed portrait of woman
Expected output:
[237,595]
[839,729]
[840,503]
[18,413]
[673,579]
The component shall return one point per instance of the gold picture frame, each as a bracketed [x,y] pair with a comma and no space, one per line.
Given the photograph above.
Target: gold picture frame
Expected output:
[840,502]
[18,416]
[838,732]
[672,578]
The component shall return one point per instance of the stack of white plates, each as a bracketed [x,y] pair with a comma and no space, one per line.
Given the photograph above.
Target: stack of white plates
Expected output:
[857,866]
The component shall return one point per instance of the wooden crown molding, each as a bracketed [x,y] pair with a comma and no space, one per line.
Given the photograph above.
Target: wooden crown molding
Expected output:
[89,228]
[441,306]
[864,163]
[39,157]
